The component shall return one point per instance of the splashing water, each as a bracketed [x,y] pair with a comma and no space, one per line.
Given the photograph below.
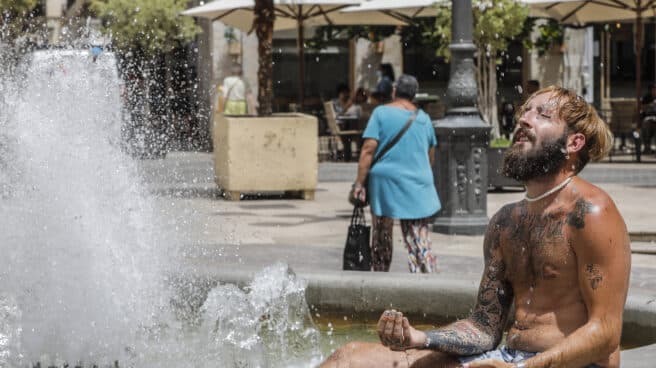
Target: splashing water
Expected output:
[82,276]
[76,233]
[266,325]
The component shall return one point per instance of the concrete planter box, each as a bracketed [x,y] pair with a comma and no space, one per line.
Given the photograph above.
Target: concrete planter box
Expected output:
[496,180]
[277,153]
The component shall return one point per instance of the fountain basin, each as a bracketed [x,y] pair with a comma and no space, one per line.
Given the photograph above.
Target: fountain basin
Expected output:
[364,295]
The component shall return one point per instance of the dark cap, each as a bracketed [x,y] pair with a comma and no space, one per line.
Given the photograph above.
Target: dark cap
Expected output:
[383,89]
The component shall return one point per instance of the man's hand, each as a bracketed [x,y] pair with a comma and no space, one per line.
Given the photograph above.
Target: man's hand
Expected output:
[488,363]
[396,333]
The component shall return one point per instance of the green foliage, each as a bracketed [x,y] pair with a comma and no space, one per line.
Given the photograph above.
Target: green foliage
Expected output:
[418,33]
[229,34]
[500,143]
[496,23]
[15,17]
[325,34]
[149,27]
[17,7]
[549,34]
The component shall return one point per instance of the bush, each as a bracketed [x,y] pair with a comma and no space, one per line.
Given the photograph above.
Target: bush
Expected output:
[500,143]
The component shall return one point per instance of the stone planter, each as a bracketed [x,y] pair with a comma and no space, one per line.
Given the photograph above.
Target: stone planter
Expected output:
[496,180]
[277,153]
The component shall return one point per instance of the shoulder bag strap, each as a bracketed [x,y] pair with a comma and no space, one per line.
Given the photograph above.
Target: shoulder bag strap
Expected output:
[398,136]
[230,91]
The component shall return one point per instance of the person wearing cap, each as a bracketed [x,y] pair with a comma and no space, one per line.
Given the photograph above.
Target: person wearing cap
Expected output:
[400,184]
[383,91]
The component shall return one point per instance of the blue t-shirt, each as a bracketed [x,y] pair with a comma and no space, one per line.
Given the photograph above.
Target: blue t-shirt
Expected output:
[401,183]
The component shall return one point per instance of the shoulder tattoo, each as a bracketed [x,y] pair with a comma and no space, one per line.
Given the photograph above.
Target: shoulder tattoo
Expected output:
[576,218]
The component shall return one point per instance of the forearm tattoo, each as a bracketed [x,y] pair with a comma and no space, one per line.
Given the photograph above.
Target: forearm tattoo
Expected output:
[459,339]
[482,331]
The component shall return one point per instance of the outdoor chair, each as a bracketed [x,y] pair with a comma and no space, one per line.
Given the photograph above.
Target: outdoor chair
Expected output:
[346,137]
[621,119]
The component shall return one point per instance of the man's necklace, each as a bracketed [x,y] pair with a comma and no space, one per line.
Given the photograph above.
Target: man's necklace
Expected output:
[550,191]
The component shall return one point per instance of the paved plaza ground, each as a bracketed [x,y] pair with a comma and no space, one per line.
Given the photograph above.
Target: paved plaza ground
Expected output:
[309,235]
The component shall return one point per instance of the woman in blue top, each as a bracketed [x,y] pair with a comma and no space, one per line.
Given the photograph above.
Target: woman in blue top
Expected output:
[401,183]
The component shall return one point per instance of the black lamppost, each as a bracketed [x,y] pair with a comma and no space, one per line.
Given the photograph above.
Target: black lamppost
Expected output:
[460,166]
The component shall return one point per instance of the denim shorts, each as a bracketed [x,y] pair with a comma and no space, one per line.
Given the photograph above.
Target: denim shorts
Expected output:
[507,355]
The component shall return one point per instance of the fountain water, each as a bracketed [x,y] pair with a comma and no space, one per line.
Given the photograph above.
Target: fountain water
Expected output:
[82,271]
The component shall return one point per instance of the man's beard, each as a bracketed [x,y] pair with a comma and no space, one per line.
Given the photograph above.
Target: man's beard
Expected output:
[548,159]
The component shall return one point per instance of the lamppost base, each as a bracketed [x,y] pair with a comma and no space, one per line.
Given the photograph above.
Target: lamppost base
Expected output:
[470,225]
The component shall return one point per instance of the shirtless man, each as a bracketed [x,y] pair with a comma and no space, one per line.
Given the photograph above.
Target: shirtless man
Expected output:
[561,256]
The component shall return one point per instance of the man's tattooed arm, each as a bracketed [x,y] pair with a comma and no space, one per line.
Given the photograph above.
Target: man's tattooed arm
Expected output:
[483,330]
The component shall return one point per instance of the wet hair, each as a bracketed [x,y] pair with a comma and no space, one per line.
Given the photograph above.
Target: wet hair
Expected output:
[580,117]
[387,70]
[406,87]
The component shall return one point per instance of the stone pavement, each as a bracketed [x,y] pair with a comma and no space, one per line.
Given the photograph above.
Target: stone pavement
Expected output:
[309,235]
[226,238]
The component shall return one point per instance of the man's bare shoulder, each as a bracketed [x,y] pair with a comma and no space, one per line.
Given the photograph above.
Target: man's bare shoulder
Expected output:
[504,217]
[591,204]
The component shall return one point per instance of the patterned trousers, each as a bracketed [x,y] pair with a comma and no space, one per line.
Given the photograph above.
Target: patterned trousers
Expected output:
[415,238]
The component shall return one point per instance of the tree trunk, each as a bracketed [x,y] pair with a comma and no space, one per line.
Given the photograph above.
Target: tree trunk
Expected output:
[263,24]
[492,109]
[486,74]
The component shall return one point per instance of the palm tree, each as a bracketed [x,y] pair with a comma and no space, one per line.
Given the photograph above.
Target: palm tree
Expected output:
[263,25]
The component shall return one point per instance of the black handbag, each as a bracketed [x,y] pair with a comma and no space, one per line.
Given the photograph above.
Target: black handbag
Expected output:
[357,251]
[356,202]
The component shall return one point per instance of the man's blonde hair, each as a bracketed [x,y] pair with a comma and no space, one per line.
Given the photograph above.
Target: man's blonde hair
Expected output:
[580,117]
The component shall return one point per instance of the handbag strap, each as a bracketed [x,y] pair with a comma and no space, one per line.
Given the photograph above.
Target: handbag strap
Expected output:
[396,138]
[357,218]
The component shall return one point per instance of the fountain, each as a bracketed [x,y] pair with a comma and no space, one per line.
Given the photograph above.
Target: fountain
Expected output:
[86,262]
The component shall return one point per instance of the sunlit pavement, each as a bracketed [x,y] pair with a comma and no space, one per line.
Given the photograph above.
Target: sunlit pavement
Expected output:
[309,235]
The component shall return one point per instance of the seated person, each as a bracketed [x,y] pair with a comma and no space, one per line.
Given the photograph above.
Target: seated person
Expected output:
[648,115]
[561,256]
[357,108]
[341,102]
